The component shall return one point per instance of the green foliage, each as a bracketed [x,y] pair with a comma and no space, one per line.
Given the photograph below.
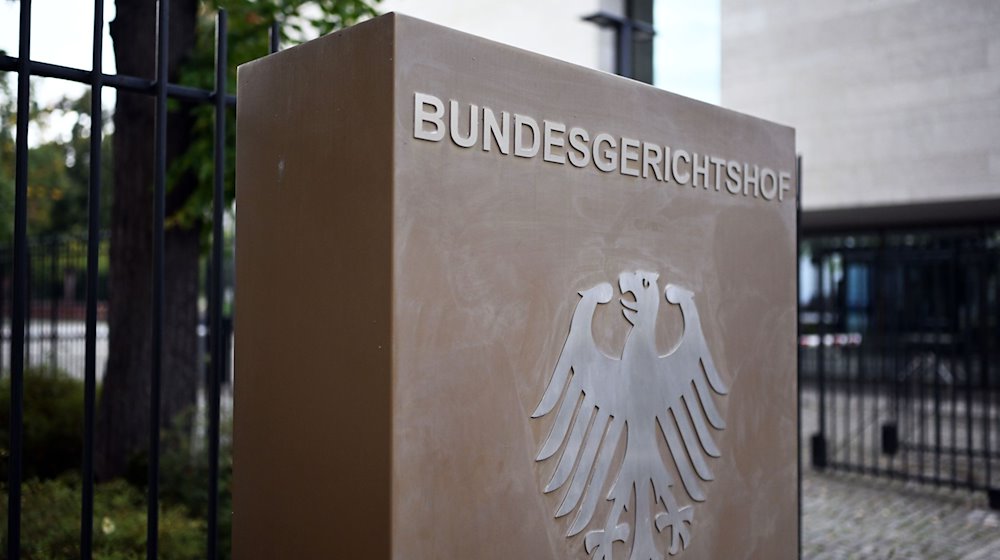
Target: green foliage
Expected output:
[53,420]
[249,23]
[184,474]
[50,523]
[184,477]
[58,169]
[53,412]
[70,160]
[53,451]
[8,123]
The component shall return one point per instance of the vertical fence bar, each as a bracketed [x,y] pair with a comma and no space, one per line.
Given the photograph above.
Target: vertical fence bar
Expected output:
[878,350]
[93,247]
[993,491]
[968,347]
[920,376]
[53,292]
[938,345]
[20,288]
[984,366]
[28,292]
[953,307]
[903,379]
[275,42]
[159,209]
[844,350]
[831,358]
[819,441]
[869,341]
[895,291]
[879,354]
[215,298]
[863,264]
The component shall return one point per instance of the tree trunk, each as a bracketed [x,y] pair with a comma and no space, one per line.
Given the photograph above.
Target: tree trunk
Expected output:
[123,411]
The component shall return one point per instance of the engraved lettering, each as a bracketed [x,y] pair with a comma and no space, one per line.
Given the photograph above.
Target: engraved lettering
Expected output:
[558,141]
[666,164]
[749,179]
[520,123]
[630,152]
[651,156]
[717,165]
[422,117]
[784,180]
[734,182]
[768,191]
[700,171]
[470,139]
[500,131]
[605,159]
[552,140]
[680,177]
[579,155]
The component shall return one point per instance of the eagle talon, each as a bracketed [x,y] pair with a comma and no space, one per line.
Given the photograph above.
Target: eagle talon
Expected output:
[678,521]
[601,539]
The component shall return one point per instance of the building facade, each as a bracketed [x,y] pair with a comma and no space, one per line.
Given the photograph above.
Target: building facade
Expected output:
[556,28]
[896,103]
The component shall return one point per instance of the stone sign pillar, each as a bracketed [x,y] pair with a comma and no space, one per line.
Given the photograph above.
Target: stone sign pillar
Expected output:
[493,305]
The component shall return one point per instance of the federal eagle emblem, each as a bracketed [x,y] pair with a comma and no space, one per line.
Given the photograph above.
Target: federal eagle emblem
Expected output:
[643,398]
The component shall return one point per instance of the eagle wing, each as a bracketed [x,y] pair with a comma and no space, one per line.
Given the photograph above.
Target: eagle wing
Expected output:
[687,373]
[589,372]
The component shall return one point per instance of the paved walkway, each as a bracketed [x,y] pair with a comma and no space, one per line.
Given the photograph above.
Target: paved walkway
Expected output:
[848,516]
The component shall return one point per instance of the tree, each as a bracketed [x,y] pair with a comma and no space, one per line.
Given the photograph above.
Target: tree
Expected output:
[123,410]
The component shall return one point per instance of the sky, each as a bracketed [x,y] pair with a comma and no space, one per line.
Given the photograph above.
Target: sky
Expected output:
[60,34]
[686,48]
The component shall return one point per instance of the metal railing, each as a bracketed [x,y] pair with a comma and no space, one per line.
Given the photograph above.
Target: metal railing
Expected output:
[162,90]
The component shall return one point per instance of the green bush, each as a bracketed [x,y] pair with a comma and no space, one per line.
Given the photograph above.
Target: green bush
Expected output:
[53,451]
[184,477]
[184,474]
[50,523]
[53,423]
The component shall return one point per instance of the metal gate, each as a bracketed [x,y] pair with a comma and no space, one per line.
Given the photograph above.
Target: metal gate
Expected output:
[901,348]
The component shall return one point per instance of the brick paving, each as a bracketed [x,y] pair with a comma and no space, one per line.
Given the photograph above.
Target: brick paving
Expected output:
[848,516]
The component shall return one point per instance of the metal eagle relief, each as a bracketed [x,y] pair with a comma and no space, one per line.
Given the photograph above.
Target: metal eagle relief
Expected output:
[643,398]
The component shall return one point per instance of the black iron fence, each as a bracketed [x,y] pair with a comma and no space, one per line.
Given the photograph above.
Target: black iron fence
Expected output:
[31,322]
[900,344]
[55,319]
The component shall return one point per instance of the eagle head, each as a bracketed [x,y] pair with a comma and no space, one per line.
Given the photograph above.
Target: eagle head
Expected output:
[642,285]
